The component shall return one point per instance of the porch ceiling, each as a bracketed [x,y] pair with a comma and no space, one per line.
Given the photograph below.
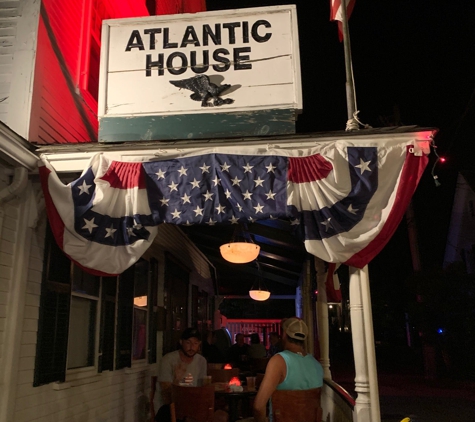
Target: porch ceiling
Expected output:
[281,256]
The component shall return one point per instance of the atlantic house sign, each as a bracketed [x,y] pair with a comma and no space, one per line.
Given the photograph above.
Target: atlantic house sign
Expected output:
[202,75]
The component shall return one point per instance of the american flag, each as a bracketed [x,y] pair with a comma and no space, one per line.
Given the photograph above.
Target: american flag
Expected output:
[340,197]
[337,15]
[332,284]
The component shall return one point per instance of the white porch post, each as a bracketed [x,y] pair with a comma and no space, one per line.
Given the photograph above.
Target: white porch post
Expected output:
[307,308]
[366,381]
[322,318]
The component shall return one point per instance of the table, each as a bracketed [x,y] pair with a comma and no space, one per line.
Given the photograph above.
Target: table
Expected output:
[233,398]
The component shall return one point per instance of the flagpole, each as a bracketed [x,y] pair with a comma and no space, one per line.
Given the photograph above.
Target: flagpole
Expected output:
[350,84]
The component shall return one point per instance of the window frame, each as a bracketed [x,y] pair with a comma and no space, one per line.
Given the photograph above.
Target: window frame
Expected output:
[145,310]
[52,359]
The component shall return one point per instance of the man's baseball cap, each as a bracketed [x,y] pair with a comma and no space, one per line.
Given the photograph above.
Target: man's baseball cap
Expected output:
[295,328]
[190,332]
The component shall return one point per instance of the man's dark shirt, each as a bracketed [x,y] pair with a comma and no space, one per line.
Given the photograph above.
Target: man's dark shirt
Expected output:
[275,348]
[212,354]
[239,356]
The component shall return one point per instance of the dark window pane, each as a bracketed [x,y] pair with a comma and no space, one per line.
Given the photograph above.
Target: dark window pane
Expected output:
[152,312]
[58,264]
[53,323]
[140,333]
[141,280]
[107,336]
[125,318]
[85,283]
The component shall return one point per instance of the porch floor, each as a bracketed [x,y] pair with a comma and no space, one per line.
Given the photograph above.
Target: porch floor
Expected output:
[411,395]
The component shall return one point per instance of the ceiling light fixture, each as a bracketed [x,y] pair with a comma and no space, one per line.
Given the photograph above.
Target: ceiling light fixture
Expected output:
[241,249]
[260,293]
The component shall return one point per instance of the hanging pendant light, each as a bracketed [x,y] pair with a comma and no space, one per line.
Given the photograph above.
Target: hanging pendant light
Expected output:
[259,293]
[241,249]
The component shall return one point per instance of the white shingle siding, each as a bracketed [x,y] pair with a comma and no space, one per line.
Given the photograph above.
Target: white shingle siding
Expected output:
[8,229]
[111,396]
[116,396]
[9,11]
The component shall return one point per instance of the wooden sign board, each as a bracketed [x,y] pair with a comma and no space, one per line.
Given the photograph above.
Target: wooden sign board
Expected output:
[203,75]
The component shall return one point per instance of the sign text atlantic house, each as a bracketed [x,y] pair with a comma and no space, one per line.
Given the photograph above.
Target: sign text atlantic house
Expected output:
[199,76]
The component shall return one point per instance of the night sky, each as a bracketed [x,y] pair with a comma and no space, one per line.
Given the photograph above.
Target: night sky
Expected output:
[414,64]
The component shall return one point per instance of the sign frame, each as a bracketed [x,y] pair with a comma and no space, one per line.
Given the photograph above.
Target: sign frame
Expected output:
[266,102]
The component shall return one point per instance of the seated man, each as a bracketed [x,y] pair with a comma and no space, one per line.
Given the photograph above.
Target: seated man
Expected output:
[183,366]
[209,349]
[292,369]
[256,349]
[275,344]
[238,353]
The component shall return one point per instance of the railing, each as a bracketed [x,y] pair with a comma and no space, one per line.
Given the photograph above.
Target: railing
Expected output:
[248,326]
[337,404]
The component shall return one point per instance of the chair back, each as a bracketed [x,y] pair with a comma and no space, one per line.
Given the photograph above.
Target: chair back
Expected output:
[196,403]
[223,375]
[297,405]
[215,366]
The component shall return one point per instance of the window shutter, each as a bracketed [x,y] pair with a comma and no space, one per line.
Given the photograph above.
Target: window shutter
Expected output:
[125,318]
[152,311]
[53,323]
[107,335]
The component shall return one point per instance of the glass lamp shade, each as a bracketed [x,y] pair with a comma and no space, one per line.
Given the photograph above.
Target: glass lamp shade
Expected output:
[260,295]
[239,252]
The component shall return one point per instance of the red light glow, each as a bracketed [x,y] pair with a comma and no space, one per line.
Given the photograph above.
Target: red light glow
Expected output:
[228,366]
[443,159]
[234,381]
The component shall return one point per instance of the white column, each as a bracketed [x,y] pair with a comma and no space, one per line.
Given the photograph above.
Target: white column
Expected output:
[363,403]
[322,318]
[366,381]
[369,340]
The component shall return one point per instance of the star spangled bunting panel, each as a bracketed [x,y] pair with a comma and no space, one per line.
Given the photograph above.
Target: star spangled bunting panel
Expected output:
[346,200]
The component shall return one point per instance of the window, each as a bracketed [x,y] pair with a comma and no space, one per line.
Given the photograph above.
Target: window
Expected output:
[141,287]
[108,319]
[176,303]
[83,317]
[86,321]
[53,323]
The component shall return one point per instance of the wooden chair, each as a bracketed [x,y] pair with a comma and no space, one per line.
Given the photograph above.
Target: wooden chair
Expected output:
[195,403]
[297,405]
[215,366]
[223,375]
